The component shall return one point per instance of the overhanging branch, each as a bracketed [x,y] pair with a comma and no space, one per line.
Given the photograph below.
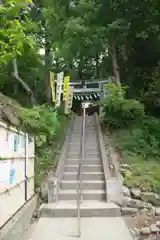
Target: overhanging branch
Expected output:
[24,85]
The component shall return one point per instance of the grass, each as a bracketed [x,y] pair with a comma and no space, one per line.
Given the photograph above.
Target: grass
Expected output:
[145,172]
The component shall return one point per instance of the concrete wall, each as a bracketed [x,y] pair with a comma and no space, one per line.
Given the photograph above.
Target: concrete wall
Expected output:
[16,171]
[16,227]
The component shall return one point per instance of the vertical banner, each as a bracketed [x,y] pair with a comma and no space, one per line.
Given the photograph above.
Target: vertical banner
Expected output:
[59,88]
[52,84]
[66,87]
[69,101]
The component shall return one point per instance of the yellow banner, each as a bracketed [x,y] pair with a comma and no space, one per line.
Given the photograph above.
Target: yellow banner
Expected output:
[52,84]
[66,87]
[69,100]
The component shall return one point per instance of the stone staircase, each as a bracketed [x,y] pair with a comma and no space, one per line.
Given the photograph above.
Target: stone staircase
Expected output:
[93,184]
[94,201]
[98,218]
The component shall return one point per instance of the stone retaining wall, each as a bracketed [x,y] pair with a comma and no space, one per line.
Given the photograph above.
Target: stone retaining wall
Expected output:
[16,227]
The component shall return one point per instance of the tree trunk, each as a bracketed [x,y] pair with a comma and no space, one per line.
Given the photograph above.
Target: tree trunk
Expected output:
[97,65]
[47,68]
[80,72]
[128,79]
[114,63]
[24,85]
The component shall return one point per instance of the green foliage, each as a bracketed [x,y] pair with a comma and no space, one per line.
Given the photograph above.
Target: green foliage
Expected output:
[118,111]
[48,128]
[145,176]
[155,86]
[45,160]
[81,34]
[48,147]
[129,114]
[142,143]
[143,159]
[13,32]
[40,120]
[138,139]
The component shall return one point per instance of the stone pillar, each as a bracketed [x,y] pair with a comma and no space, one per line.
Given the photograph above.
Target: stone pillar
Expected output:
[52,190]
[114,190]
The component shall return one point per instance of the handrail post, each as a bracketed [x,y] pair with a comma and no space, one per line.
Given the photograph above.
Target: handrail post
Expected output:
[79,177]
[78,210]
[83,146]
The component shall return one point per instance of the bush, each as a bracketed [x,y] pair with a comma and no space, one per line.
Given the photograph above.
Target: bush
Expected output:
[118,111]
[39,120]
[143,159]
[48,127]
[151,126]
[138,138]
[141,143]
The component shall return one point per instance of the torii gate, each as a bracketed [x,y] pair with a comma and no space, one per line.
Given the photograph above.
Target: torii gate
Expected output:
[92,90]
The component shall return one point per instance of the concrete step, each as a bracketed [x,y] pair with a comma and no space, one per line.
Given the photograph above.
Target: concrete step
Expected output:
[74,150]
[89,147]
[91,142]
[91,134]
[90,130]
[85,176]
[76,140]
[75,161]
[88,150]
[76,134]
[105,228]
[92,147]
[86,185]
[93,152]
[84,168]
[74,155]
[87,209]
[74,146]
[73,138]
[92,155]
[77,129]
[70,195]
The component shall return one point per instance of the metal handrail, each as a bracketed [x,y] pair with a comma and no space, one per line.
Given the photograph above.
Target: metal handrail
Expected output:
[79,175]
